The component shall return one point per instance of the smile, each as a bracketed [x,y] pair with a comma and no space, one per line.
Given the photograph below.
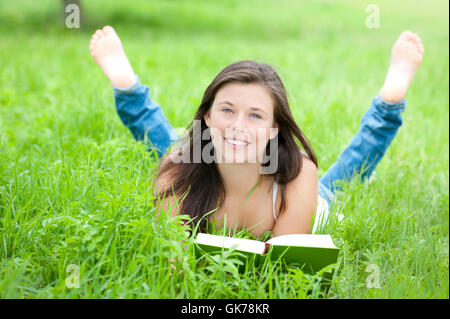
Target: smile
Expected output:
[236,143]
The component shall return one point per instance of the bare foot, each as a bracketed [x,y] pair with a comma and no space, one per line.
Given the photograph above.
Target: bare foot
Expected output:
[406,57]
[107,51]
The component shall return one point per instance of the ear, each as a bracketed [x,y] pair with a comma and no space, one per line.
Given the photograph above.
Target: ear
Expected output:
[206,118]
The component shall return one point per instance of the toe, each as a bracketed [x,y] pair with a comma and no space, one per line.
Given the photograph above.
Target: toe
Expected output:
[98,33]
[108,30]
[407,35]
[421,49]
[418,41]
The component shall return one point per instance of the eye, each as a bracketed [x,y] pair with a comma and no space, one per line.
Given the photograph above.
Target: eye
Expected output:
[225,110]
[256,116]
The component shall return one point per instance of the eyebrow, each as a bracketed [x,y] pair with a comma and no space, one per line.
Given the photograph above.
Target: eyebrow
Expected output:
[252,108]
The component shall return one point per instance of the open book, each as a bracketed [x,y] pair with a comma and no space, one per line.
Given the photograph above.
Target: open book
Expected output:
[312,251]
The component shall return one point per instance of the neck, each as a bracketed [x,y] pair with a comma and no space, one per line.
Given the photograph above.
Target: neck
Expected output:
[240,179]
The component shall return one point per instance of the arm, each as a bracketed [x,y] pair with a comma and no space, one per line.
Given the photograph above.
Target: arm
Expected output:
[301,202]
[164,182]
[169,204]
[144,117]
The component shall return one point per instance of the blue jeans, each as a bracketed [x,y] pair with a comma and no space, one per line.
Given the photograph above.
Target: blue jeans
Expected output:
[378,127]
[144,117]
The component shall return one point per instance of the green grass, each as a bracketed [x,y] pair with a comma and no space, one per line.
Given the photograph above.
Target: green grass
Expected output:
[74,185]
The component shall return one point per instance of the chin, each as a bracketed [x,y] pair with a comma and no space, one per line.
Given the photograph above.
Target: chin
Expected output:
[238,156]
[238,159]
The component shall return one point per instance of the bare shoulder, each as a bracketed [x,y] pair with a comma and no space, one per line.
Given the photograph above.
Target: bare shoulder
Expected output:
[164,177]
[164,182]
[302,186]
[167,171]
[307,175]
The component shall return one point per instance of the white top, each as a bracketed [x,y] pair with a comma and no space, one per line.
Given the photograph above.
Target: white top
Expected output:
[322,210]
[274,198]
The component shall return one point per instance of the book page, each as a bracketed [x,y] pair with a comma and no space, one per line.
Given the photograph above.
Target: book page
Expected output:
[303,240]
[252,246]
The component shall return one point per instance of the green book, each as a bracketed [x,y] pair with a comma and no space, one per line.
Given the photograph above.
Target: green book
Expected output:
[309,251]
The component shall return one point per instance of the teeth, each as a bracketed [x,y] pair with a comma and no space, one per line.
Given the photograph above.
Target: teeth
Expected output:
[236,142]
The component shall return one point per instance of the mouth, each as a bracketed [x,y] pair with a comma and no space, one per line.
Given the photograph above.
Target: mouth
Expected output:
[236,143]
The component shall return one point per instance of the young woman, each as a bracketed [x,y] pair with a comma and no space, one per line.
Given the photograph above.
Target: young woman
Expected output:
[244,124]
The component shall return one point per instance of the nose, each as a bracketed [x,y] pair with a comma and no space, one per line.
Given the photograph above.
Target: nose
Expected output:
[238,122]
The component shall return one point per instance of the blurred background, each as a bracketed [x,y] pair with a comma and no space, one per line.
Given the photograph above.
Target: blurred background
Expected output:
[331,55]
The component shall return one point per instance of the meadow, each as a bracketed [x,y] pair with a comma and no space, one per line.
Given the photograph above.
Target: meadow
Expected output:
[75,187]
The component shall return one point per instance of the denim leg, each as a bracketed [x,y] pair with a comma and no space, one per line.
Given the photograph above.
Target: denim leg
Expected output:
[144,117]
[378,127]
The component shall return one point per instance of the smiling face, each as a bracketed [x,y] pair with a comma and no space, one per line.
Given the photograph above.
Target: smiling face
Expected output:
[241,120]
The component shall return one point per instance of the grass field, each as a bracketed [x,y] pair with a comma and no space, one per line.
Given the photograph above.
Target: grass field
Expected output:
[74,185]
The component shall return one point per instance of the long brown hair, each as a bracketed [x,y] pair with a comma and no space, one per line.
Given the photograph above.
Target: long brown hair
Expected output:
[201,182]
